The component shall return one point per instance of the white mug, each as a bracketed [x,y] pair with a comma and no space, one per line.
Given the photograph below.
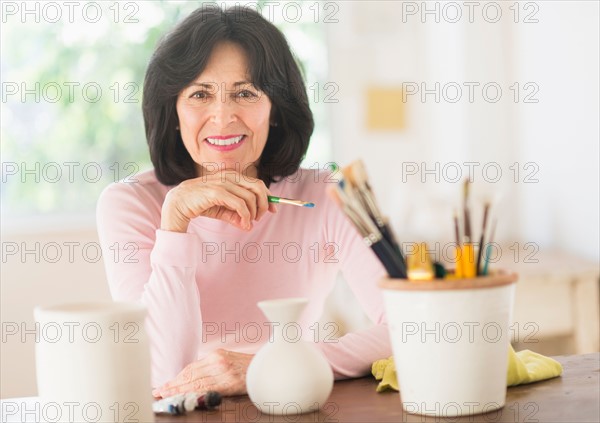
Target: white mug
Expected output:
[93,363]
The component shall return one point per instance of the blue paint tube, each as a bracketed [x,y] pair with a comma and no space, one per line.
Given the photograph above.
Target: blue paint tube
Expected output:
[181,403]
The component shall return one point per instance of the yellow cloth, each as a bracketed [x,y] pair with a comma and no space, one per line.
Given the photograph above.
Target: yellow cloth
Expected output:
[527,366]
[523,367]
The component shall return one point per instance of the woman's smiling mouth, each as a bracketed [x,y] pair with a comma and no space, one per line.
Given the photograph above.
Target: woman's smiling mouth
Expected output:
[225,143]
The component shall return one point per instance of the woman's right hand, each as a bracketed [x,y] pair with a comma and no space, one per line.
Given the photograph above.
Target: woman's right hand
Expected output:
[225,195]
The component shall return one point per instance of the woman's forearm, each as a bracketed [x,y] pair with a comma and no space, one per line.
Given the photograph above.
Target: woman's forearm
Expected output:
[353,354]
[171,296]
[156,268]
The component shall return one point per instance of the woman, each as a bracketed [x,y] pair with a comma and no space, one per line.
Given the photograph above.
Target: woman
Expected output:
[227,124]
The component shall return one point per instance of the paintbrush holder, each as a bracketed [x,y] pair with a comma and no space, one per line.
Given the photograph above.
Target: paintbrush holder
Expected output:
[450,340]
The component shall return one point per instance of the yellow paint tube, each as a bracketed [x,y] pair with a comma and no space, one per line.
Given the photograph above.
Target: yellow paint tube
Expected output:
[468,259]
[420,267]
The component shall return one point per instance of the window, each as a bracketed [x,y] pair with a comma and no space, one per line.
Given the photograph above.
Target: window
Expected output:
[72,76]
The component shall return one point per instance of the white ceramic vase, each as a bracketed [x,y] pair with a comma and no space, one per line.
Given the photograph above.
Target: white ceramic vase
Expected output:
[288,375]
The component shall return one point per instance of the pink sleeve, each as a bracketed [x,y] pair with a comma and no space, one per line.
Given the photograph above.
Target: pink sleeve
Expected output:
[156,268]
[353,354]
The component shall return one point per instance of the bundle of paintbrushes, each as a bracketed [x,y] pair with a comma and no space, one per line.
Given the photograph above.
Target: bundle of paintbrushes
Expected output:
[354,195]
[471,260]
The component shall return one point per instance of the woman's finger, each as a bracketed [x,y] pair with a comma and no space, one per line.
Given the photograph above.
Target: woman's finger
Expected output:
[228,216]
[261,192]
[247,195]
[201,385]
[205,379]
[223,371]
[233,200]
[228,196]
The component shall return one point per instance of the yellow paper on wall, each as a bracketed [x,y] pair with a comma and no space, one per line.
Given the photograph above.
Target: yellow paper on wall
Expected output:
[385,109]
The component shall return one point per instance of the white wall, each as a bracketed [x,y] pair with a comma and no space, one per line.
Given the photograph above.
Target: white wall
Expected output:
[559,134]
[35,279]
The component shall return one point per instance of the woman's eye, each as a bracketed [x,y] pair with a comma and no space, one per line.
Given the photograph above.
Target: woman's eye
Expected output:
[199,95]
[246,94]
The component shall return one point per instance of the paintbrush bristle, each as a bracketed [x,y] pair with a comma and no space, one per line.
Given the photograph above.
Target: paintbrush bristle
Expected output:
[348,175]
[356,174]
[341,199]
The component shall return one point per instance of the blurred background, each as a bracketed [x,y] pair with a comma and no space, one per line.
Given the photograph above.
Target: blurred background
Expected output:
[425,93]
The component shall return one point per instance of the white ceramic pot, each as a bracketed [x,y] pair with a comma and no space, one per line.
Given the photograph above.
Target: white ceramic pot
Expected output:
[450,341]
[288,376]
[93,363]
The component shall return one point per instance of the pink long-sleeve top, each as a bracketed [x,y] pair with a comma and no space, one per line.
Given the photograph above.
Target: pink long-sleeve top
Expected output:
[201,287]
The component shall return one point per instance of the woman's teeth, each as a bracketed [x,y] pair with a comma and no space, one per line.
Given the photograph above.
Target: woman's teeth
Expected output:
[227,141]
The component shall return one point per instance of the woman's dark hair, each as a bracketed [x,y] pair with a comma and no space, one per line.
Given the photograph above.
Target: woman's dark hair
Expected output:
[183,54]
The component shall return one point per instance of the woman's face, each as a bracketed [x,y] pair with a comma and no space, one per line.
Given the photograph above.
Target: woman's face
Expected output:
[223,118]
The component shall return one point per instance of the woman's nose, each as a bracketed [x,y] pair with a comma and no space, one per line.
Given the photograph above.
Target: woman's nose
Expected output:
[223,111]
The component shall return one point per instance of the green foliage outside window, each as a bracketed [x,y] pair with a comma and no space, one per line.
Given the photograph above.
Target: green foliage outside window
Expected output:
[71,99]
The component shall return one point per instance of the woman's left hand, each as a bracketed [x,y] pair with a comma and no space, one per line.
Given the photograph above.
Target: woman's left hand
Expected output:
[222,371]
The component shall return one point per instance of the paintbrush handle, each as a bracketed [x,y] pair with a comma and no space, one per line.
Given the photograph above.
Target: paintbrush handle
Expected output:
[467,225]
[387,233]
[486,260]
[367,199]
[389,258]
[478,269]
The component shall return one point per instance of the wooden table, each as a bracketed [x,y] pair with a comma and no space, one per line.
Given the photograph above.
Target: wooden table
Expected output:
[573,397]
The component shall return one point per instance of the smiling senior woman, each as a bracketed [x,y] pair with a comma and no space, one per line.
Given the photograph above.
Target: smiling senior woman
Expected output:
[195,240]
